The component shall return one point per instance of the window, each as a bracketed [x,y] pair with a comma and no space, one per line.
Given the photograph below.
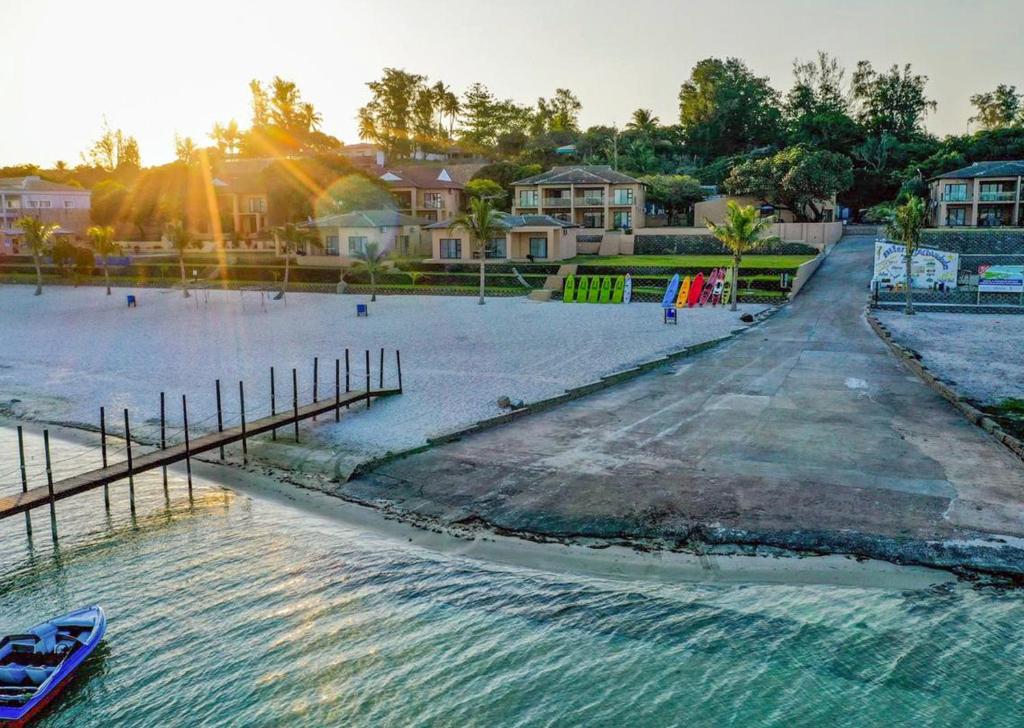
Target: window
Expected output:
[622,220]
[14,204]
[956,216]
[69,203]
[451,248]
[539,247]
[331,245]
[496,248]
[403,243]
[356,244]
[956,193]
[593,219]
[432,200]
[39,203]
[623,197]
[527,198]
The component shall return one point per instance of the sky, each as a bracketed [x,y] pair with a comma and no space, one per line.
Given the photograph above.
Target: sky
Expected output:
[156,69]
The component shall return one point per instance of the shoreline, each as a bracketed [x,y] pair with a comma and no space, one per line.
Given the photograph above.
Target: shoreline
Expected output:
[635,560]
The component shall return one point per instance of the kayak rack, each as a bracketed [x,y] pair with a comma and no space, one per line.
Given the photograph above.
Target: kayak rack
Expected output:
[349,390]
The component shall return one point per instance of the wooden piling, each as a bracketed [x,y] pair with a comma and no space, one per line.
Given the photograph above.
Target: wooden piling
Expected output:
[367,379]
[348,385]
[220,418]
[188,453]
[273,403]
[337,390]
[241,404]
[316,378]
[24,476]
[295,400]
[163,434]
[131,474]
[49,486]
[103,453]
[381,366]
[398,365]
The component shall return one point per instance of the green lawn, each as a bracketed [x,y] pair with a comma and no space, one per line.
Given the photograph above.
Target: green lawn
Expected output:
[691,261]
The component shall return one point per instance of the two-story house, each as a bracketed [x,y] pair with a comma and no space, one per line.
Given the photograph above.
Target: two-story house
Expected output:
[65,205]
[983,194]
[431,193]
[591,196]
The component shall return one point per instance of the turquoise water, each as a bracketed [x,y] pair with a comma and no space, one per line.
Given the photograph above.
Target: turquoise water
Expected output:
[233,610]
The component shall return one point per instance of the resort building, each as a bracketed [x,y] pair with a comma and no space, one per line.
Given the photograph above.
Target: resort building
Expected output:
[713,209]
[524,238]
[594,196]
[984,194]
[364,155]
[64,205]
[433,193]
[344,235]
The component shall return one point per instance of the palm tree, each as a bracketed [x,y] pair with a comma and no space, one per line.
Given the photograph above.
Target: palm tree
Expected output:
[311,118]
[39,238]
[181,239]
[102,239]
[483,223]
[371,258]
[905,227]
[290,237]
[743,231]
[643,120]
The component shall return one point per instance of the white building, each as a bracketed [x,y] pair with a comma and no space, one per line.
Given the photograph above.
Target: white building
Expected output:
[65,205]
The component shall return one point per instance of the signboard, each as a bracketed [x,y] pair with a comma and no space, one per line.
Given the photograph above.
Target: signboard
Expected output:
[928,268]
[1001,278]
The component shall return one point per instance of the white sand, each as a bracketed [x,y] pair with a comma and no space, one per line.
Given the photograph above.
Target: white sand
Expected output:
[983,354]
[67,352]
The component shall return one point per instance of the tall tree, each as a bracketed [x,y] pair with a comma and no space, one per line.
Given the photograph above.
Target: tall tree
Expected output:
[113,151]
[817,107]
[743,231]
[185,150]
[677,193]
[39,237]
[724,108]
[643,121]
[894,101]
[102,239]
[290,237]
[999,108]
[905,227]
[388,117]
[371,259]
[181,239]
[483,223]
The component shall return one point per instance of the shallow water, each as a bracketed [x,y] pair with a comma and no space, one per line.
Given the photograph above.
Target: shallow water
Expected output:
[233,610]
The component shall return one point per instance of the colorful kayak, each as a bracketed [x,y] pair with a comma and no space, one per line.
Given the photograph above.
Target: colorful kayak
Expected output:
[709,286]
[695,289]
[594,292]
[684,292]
[627,289]
[570,289]
[669,299]
[581,290]
[620,285]
[606,290]
[37,665]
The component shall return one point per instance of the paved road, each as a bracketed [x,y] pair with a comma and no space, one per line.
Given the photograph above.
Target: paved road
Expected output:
[804,432]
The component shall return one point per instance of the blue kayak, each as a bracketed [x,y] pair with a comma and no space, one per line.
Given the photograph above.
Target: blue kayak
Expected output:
[37,665]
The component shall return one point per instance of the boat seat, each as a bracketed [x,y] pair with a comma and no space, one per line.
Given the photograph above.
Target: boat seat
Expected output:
[47,634]
[38,675]
[81,622]
[13,674]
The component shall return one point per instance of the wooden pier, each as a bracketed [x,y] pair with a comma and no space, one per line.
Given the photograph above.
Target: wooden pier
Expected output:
[54,491]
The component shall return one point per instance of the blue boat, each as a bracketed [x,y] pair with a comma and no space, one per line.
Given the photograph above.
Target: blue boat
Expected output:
[37,665]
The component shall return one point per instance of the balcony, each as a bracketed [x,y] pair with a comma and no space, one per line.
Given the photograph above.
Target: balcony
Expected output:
[557,202]
[529,204]
[621,202]
[432,204]
[590,201]
[956,197]
[997,196]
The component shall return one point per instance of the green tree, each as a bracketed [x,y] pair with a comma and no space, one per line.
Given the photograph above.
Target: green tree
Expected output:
[742,231]
[483,223]
[643,121]
[290,238]
[795,179]
[39,237]
[185,150]
[102,239]
[724,108]
[487,189]
[371,259]
[905,227]
[181,239]
[817,108]
[677,193]
[113,151]
[894,101]
[999,108]
[387,119]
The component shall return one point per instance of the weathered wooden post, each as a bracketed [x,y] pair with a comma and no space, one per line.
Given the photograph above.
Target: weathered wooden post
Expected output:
[188,451]
[103,453]
[24,476]
[220,418]
[316,379]
[367,379]
[381,386]
[273,403]
[398,365]
[49,486]
[241,404]
[131,475]
[337,390]
[348,387]
[163,435]
[295,401]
